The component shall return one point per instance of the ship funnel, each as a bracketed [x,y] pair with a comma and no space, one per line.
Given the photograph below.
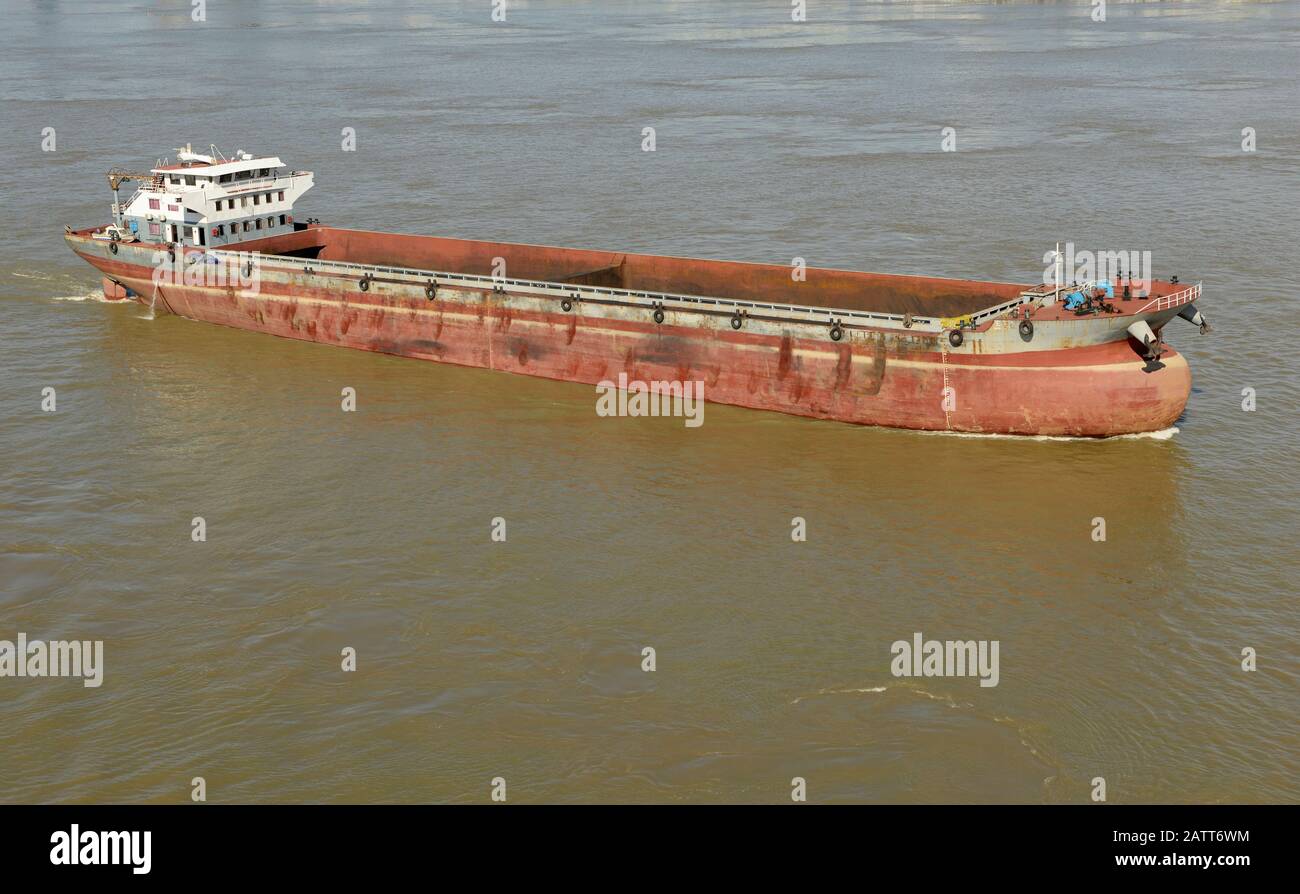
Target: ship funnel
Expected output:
[1196,318]
[1142,332]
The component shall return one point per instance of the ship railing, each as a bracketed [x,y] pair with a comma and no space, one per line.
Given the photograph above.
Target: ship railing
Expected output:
[155,184]
[421,277]
[152,185]
[262,181]
[998,310]
[829,315]
[1085,286]
[1165,302]
[1053,291]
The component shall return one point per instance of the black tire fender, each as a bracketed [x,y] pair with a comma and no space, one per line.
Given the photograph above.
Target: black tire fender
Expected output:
[1026,329]
[955,338]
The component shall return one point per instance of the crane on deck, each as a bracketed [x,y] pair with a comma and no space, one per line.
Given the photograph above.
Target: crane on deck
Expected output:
[118,176]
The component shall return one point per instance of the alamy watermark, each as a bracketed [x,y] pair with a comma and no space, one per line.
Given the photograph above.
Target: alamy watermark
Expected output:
[57,658]
[657,398]
[951,658]
[77,848]
[238,270]
[1097,266]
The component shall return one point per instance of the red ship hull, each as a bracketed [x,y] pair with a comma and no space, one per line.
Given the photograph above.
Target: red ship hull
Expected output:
[1092,390]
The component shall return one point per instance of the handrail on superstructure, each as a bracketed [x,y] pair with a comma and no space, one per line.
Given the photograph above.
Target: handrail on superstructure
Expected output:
[262,181]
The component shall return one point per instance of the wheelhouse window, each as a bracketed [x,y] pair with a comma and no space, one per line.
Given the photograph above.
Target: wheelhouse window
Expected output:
[153,205]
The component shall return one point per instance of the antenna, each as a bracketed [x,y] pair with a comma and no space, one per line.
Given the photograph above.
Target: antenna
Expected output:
[1058,262]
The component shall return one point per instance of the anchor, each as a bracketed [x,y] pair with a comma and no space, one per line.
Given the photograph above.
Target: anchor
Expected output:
[1196,318]
[1150,340]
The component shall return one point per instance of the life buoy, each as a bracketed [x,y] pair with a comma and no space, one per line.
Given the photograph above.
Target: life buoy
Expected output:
[658,315]
[736,321]
[836,332]
[955,338]
[1026,329]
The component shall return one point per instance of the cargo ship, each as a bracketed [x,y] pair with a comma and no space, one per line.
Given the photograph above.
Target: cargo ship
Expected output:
[214,239]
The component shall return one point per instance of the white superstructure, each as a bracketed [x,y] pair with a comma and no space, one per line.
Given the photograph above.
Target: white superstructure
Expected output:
[210,200]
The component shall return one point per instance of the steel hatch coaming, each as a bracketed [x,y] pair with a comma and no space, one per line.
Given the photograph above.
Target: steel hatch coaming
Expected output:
[827,288]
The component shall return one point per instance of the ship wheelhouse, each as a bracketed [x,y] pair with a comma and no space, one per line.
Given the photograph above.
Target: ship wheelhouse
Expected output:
[212,201]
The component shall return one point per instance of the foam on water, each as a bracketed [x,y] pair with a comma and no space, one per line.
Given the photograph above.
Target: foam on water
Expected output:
[96,295]
[841,692]
[1163,434]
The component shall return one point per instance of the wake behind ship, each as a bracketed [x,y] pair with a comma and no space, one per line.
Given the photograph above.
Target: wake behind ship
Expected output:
[214,239]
